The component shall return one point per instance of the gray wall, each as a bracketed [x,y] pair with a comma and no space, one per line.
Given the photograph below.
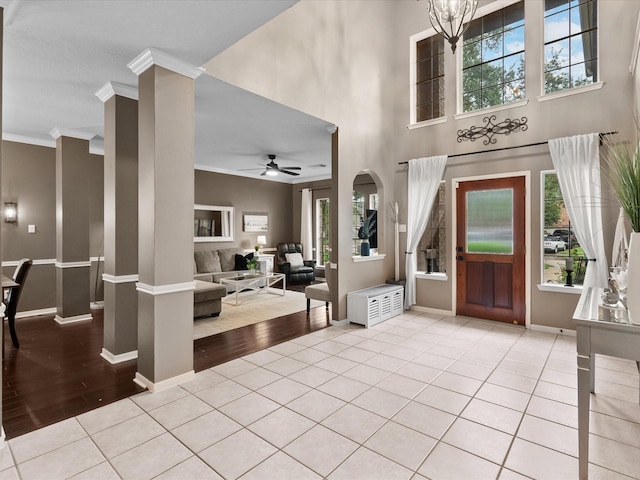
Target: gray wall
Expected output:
[28,178]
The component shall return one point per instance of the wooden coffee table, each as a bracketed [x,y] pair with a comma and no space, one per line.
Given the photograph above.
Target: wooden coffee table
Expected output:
[251,284]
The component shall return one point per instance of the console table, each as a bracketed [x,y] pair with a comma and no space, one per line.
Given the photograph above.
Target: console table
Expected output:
[598,330]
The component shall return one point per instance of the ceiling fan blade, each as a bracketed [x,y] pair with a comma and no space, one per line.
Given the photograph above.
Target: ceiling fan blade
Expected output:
[263,173]
[289,173]
[290,168]
[245,169]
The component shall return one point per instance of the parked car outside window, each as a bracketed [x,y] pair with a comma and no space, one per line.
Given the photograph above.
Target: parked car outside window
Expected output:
[554,244]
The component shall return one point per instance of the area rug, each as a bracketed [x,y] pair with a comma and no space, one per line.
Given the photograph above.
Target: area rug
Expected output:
[253,309]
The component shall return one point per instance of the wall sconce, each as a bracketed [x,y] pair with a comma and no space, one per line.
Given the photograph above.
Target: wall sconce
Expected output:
[10,212]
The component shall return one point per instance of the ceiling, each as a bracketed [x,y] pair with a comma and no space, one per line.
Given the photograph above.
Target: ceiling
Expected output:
[59,53]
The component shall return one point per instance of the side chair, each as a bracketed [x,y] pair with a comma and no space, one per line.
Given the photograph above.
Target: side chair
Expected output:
[320,291]
[11,301]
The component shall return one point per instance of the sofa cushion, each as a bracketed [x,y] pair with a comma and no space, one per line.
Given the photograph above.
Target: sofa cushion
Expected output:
[206,291]
[294,259]
[228,258]
[241,261]
[207,261]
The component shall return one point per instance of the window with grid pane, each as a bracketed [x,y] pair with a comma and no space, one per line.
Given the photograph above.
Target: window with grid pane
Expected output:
[433,244]
[493,62]
[430,78]
[570,44]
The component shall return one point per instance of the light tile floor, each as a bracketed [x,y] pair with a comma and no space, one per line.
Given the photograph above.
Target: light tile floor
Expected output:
[416,397]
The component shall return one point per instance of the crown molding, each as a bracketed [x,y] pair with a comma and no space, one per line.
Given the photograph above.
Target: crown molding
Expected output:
[40,142]
[114,88]
[66,132]
[152,56]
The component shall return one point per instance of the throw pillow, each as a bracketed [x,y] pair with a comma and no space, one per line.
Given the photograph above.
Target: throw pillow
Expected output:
[207,261]
[294,259]
[241,261]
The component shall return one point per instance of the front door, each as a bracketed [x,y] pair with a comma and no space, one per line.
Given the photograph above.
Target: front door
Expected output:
[490,249]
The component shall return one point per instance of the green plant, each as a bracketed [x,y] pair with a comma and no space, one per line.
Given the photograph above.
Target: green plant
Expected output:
[622,173]
[252,264]
[367,227]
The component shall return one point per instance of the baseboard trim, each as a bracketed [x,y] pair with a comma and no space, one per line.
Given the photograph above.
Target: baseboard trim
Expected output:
[120,357]
[165,289]
[164,384]
[34,313]
[74,319]
[556,330]
[339,323]
[435,311]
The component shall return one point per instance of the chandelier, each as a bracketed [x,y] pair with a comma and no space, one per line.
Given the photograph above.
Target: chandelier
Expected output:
[450,18]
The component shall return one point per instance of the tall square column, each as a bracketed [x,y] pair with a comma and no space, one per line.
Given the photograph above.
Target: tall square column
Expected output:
[166,127]
[120,222]
[72,226]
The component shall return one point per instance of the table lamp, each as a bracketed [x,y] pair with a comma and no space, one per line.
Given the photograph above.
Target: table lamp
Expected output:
[262,241]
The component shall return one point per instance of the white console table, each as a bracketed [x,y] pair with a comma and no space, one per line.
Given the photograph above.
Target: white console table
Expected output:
[598,330]
[375,304]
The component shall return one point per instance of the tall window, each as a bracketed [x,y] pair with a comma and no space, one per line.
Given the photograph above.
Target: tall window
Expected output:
[570,44]
[432,248]
[357,214]
[322,231]
[430,78]
[558,239]
[493,59]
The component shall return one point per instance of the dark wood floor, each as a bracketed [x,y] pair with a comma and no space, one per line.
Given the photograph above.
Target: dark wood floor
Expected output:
[57,372]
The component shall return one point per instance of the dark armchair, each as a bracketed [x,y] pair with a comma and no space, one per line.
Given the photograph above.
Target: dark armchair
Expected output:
[302,271]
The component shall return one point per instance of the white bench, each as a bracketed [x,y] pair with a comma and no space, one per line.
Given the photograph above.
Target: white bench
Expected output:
[375,304]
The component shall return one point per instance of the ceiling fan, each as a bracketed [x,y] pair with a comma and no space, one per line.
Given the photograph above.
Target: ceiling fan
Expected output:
[272,168]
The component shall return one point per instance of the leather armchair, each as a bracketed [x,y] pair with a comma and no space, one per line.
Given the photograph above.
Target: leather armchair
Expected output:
[304,273]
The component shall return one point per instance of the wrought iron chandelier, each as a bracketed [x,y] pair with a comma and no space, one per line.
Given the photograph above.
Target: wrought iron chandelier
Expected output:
[450,18]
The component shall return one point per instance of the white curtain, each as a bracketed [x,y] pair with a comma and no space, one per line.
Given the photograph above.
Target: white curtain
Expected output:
[620,243]
[424,179]
[306,225]
[577,164]
[224,224]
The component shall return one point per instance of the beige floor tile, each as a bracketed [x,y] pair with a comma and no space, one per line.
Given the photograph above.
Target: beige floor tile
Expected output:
[11,473]
[344,388]
[510,380]
[443,399]
[348,339]
[63,462]
[385,362]
[284,390]
[616,408]
[204,431]
[457,383]
[434,361]
[151,458]
[237,454]
[615,429]
[126,435]
[181,411]
[148,400]
[506,474]
[282,467]
[308,340]
[401,351]
[562,365]
[449,463]
[109,415]
[321,449]
[191,468]
[365,464]
[536,461]
[380,402]
[46,439]
[560,378]
[422,373]
[401,444]
[6,458]
[506,397]
[424,419]
[353,422]
[390,338]
[309,356]
[403,386]
[281,427]
[222,393]
[263,357]
[492,415]
[616,390]
[204,379]
[248,409]
[374,345]
[548,434]
[555,392]
[596,472]
[285,366]
[312,376]
[336,364]
[614,456]
[287,348]
[316,405]
[469,370]
[366,374]
[478,439]
[257,378]
[356,354]
[521,368]
[331,347]
[234,368]
[553,411]
[102,471]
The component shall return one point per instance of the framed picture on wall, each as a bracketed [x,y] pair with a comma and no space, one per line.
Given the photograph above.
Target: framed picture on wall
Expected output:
[255,222]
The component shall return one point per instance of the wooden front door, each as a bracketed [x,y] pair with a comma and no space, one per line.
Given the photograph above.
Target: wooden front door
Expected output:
[490,249]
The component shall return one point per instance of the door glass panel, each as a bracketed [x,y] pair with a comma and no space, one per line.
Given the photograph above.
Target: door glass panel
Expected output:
[490,221]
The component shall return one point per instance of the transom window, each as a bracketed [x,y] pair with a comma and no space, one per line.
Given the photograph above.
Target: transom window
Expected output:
[570,44]
[493,63]
[430,78]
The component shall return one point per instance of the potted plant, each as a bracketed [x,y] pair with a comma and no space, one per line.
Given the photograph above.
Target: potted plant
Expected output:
[252,265]
[367,228]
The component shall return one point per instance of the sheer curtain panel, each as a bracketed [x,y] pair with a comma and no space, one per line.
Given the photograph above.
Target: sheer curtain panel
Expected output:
[424,178]
[577,164]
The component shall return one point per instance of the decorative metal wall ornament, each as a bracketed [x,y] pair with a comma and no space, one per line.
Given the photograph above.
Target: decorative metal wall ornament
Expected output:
[490,129]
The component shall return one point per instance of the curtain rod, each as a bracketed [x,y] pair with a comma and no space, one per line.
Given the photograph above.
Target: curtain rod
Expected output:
[509,148]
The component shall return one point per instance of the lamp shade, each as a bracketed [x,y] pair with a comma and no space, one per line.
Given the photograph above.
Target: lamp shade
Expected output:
[262,240]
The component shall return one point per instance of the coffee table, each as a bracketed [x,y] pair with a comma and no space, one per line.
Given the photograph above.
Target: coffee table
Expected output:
[250,284]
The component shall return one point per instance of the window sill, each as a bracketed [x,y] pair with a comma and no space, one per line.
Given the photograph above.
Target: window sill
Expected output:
[370,258]
[571,91]
[556,287]
[427,123]
[486,111]
[441,277]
